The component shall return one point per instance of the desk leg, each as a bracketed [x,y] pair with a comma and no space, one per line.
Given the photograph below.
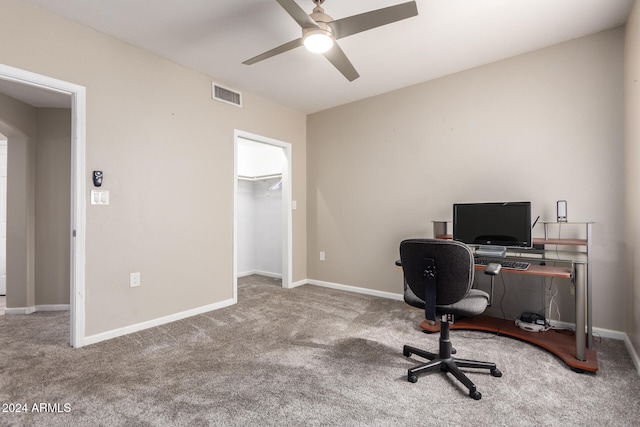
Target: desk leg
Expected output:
[589,290]
[580,312]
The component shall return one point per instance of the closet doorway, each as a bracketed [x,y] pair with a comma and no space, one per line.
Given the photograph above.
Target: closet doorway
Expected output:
[262,237]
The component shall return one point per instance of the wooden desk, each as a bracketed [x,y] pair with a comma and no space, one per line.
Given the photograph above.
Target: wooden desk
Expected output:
[567,345]
[559,342]
[539,270]
[574,348]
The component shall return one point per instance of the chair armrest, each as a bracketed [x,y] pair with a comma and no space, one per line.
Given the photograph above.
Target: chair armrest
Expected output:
[492,269]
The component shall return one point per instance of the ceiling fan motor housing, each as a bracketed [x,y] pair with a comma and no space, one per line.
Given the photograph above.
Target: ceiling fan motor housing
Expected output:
[321,18]
[322,29]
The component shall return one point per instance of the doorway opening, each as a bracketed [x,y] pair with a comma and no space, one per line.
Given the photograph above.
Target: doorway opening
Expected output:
[262,230]
[24,84]
[3,223]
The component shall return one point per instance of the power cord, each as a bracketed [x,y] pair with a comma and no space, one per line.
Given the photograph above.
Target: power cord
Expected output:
[504,293]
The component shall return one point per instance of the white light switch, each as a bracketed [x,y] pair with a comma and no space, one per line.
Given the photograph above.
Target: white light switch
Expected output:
[99,197]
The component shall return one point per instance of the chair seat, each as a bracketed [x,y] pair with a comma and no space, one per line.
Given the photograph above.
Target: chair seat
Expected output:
[473,304]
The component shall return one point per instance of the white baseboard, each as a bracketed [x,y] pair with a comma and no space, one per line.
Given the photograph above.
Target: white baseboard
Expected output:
[608,333]
[605,333]
[299,283]
[357,290]
[261,273]
[103,336]
[632,352]
[598,332]
[36,308]
[20,310]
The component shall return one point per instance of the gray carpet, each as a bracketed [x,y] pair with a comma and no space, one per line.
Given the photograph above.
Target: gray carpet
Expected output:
[309,356]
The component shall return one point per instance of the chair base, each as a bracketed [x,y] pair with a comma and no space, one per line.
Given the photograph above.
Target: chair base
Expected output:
[446,363]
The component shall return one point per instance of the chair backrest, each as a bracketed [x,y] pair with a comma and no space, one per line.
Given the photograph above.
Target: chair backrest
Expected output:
[454,268]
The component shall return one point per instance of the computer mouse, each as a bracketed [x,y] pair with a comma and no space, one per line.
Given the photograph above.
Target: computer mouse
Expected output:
[492,269]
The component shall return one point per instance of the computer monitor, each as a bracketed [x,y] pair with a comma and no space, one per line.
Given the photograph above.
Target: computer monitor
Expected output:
[495,224]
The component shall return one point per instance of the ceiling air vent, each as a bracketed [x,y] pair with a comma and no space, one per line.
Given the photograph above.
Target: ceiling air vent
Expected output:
[225,94]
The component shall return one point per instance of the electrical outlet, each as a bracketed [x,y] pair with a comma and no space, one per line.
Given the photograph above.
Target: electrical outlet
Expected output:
[134,280]
[322,256]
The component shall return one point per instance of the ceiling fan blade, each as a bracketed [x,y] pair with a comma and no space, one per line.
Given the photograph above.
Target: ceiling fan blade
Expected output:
[297,13]
[275,51]
[336,56]
[376,18]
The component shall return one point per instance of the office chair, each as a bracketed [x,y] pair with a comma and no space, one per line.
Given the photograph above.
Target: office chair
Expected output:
[438,275]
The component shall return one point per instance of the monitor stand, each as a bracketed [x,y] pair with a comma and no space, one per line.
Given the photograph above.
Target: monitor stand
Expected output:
[491,251]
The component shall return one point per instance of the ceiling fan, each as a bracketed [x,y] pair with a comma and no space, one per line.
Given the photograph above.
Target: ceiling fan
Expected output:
[320,31]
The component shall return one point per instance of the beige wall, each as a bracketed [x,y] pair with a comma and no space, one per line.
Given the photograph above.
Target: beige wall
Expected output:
[632,157]
[166,150]
[53,206]
[543,126]
[18,122]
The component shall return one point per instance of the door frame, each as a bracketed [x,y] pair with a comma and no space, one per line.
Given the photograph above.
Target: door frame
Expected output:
[78,188]
[287,229]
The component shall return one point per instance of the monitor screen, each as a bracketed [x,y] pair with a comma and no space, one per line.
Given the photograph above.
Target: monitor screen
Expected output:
[500,224]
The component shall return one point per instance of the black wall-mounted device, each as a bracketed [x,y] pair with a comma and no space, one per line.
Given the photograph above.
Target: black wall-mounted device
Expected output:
[97,178]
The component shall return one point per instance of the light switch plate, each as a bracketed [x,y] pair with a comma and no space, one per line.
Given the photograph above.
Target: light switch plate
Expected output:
[99,197]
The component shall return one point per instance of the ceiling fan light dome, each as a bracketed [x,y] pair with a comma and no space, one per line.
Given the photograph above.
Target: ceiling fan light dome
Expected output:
[318,41]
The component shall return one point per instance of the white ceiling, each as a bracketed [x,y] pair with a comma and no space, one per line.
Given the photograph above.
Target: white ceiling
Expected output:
[447,36]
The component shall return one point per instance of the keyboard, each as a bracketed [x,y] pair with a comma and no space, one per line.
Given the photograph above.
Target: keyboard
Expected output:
[505,263]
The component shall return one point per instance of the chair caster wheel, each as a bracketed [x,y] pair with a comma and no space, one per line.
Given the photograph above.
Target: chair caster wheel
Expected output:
[453,351]
[476,395]
[496,372]
[405,352]
[412,378]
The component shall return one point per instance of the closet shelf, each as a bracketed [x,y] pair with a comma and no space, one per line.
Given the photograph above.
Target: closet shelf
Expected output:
[259,177]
